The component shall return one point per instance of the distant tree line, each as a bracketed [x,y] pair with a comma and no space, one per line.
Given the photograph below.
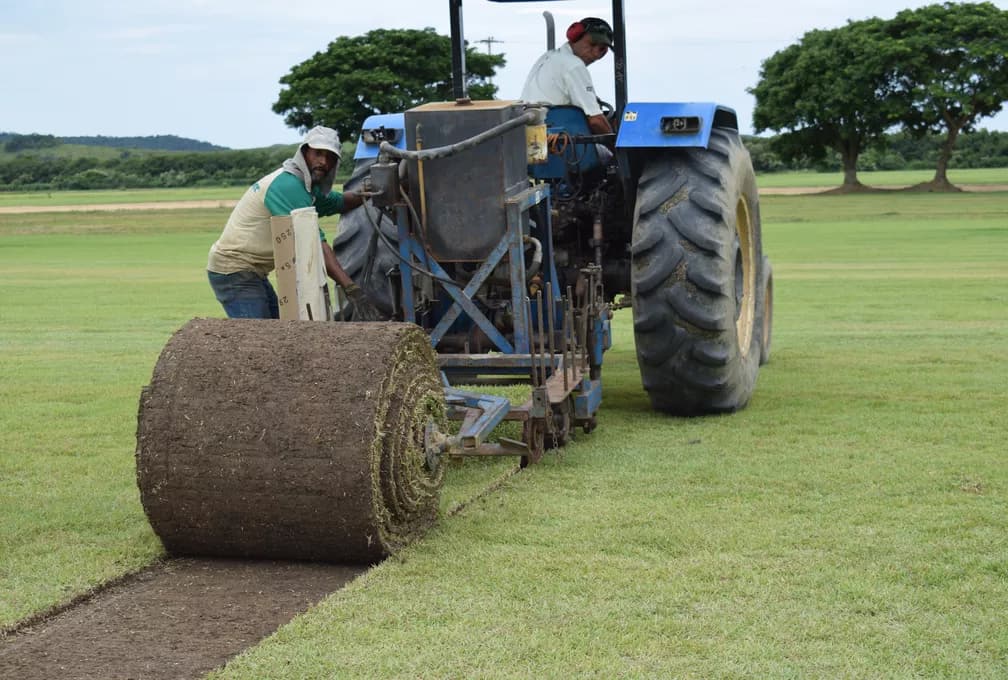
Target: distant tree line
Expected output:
[14,142]
[896,151]
[40,168]
[157,142]
[47,172]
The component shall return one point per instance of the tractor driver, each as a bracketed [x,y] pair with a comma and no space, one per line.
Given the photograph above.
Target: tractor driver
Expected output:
[242,257]
[560,77]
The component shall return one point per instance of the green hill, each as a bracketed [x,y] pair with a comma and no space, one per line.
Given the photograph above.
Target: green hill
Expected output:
[46,163]
[154,143]
[13,142]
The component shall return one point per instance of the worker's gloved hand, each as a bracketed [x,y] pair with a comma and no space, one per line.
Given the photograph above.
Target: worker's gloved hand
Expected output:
[363,308]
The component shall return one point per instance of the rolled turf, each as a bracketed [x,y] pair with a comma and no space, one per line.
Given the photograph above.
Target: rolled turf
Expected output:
[290,439]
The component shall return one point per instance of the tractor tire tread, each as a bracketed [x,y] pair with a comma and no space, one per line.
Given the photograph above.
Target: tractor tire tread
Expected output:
[686,285]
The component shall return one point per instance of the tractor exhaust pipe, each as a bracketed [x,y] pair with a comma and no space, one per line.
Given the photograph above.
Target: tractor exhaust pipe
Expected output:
[550,30]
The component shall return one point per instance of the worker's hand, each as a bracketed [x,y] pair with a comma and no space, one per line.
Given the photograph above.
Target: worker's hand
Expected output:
[363,308]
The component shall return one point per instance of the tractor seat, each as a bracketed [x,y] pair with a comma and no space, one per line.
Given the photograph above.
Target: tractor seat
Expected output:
[567,156]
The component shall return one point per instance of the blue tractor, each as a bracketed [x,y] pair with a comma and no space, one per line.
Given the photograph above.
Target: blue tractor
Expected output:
[514,266]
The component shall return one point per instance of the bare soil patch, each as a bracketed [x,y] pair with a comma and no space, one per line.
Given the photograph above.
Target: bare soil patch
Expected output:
[178,619]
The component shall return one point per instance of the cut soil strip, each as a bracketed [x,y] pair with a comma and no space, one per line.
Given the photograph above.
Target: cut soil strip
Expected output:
[178,619]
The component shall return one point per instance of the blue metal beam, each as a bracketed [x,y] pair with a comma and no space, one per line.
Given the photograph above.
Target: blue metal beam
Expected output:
[492,409]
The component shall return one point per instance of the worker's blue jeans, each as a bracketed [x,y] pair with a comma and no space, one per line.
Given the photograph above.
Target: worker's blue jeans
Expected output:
[245,295]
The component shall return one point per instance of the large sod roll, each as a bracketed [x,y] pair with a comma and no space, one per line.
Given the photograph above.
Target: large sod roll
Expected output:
[290,439]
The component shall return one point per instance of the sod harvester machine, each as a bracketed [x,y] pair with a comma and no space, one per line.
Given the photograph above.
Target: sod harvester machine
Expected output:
[499,241]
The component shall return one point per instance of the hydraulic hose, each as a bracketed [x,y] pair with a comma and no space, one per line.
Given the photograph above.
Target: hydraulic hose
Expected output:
[527,118]
[537,256]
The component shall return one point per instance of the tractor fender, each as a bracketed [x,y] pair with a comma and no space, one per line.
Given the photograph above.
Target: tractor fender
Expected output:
[650,129]
[652,125]
[381,127]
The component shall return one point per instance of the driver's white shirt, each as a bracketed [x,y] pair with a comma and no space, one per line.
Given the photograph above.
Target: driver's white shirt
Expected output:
[560,78]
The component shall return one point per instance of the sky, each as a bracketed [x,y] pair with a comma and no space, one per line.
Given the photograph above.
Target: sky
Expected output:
[210,69]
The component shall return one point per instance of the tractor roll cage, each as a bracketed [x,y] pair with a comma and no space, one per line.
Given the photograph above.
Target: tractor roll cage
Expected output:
[461,91]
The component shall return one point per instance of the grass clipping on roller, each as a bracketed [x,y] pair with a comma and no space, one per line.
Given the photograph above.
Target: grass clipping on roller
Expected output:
[290,439]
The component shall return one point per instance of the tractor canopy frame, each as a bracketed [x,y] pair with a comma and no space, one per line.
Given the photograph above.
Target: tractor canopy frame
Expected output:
[461,91]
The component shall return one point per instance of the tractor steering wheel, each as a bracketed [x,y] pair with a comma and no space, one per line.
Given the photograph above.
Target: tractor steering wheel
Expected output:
[608,111]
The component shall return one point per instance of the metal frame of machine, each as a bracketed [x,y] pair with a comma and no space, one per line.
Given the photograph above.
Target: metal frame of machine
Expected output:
[553,343]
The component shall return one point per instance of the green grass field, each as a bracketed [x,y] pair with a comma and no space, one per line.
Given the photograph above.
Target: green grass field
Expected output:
[882,178]
[104,196]
[772,180]
[850,522]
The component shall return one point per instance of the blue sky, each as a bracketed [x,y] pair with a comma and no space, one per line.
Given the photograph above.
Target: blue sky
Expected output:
[209,69]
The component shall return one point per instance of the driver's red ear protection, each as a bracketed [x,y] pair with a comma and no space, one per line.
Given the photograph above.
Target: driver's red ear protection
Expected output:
[579,28]
[576,30]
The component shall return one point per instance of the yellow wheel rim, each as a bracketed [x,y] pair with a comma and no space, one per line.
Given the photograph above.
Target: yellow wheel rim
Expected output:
[745,280]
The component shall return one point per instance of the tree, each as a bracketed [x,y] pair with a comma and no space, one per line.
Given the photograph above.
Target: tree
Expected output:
[830,90]
[956,71]
[383,71]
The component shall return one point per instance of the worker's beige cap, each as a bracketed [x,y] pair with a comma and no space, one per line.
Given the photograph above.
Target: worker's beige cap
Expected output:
[320,137]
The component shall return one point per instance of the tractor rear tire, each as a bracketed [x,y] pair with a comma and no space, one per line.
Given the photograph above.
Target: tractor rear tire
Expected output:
[354,242]
[696,278]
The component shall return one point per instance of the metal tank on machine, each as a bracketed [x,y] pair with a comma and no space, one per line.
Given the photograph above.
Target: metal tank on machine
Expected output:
[466,218]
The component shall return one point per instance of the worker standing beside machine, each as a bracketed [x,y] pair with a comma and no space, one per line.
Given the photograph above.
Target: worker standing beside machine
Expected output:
[240,260]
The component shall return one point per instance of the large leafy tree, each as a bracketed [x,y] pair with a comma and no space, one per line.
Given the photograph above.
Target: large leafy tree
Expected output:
[383,71]
[830,91]
[955,72]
